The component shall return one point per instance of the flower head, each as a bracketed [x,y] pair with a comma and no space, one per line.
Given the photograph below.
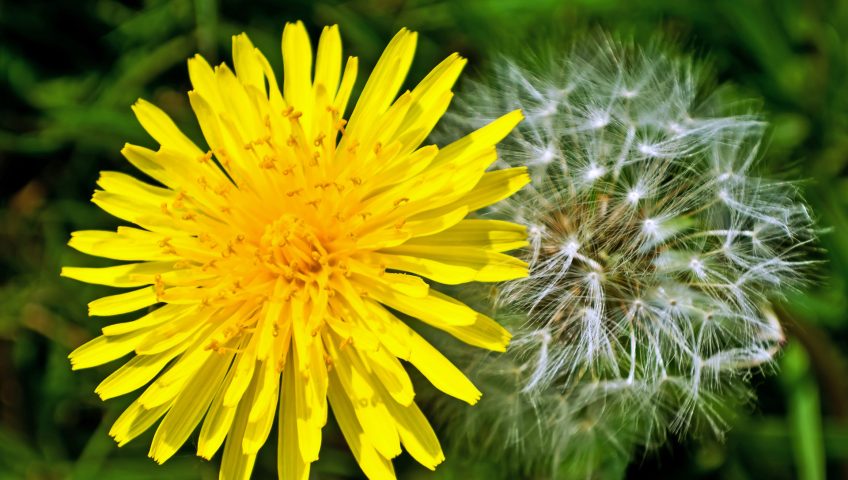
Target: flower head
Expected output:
[280,258]
[654,247]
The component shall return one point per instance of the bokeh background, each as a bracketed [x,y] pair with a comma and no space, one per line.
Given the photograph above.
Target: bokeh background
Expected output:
[69,70]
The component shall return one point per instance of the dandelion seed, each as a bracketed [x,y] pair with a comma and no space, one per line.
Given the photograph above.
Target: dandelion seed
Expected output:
[277,267]
[629,93]
[599,120]
[649,150]
[594,172]
[547,156]
[634,195]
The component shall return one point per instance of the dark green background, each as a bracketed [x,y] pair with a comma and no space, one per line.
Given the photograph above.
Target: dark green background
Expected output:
[69,71]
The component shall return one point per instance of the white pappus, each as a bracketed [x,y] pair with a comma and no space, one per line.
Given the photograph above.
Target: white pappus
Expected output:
[654,251]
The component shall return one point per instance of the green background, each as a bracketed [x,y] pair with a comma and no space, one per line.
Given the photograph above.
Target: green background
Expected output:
[69,71]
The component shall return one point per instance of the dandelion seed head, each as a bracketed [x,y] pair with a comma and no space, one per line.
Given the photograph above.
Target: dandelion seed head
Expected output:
[661,252]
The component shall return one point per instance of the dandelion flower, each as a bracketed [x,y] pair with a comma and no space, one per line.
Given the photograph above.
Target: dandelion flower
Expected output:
[654,251]
[280,259]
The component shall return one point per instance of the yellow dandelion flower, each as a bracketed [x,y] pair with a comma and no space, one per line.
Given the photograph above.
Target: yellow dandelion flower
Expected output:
[280,258]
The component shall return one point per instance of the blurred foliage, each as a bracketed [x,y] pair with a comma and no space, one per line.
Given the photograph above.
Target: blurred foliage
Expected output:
[70,70]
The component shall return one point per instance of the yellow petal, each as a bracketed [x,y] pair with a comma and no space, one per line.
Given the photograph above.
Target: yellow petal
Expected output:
[174,332]
[430,99]
[169,383]
[203,81]
[161,315]
[368,405]
[407,166]
[494,235]
[373,464]
[243,369]
[136,210]
[128,275]
[301,338]
[308,431]
[267,390]
[435,187]
[454,265]
[383,84]
[180,172]
[104,349]
[484,333]
[473,143]
[436,193]
[162,128]
[409,285]
[419,123]
[417,435]
[427,359]
[441,79]
[440,371]
[238,107]
[290,463]
[434,307]
[494,187]
[123,302]
[297,67]
[264,408]
[124,184]
[428,223]
[397,171]
[382,238]
[346,85]
[357,320]
[235,464]
[218,136]
[135,373]
[247,65]
[393,334]
[272,314]
[318,383]
[134,421]
[188,408]
[390,374]
[217,422]
[328,63]
[112,245]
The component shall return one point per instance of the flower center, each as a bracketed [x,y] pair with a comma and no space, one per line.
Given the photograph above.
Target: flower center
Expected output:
[294,249]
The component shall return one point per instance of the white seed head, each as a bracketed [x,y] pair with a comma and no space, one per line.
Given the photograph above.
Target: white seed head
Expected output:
[654,248]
